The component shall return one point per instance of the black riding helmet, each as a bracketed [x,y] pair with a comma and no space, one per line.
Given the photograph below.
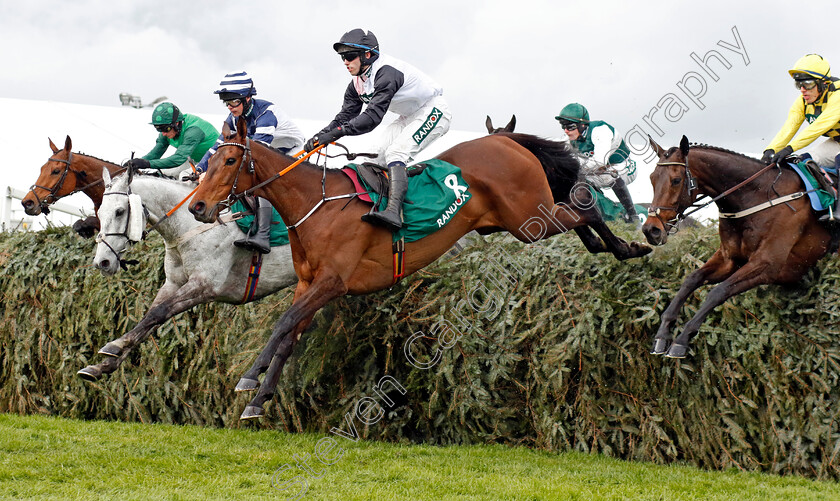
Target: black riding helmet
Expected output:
[357,40]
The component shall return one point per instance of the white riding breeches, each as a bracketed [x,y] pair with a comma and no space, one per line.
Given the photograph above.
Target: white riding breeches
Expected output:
[406,136]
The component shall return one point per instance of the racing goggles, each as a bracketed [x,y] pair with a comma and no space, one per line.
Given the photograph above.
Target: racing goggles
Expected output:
[164,128]
[807,84]
[350,55]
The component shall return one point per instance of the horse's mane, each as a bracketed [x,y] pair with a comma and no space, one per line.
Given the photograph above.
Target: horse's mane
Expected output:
[559,162]
[720,150]
[96,158]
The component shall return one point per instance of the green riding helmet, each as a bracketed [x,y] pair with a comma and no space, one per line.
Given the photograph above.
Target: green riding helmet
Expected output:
[573,112]
[166,114]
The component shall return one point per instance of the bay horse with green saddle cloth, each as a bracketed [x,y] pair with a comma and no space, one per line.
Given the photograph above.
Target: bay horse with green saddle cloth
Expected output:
[518,183]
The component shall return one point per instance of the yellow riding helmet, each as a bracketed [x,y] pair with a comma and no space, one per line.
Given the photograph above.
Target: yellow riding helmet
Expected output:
[813,65]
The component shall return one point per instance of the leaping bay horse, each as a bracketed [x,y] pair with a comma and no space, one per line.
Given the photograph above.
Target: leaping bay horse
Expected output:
[514,181]
[775,244]
[64,174]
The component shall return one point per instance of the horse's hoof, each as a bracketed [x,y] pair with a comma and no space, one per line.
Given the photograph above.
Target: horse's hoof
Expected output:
[677,351]
[660,347]
[111,350]
[90,373]
[246,384]
[252,412]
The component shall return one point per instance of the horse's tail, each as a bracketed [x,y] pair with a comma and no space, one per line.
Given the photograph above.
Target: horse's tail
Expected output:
[559,163]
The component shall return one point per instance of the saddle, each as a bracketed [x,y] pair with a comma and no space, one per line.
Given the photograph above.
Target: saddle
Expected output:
[374,176]
[824,182]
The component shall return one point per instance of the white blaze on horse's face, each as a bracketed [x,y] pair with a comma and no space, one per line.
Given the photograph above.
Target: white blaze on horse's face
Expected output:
[113,214]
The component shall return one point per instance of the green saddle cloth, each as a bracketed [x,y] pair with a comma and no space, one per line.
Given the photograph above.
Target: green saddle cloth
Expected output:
[279,233]
[611,210]
[434,195]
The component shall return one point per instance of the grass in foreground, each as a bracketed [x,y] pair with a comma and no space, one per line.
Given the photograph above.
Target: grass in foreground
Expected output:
[51,458]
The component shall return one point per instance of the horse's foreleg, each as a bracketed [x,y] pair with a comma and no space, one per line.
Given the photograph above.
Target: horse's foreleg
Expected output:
[620,249]
[254,409]
[716,269]
[590,240]
[748,276]
[308,300]
[165,306]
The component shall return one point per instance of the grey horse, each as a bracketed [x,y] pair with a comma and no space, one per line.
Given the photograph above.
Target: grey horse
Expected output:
[201,262]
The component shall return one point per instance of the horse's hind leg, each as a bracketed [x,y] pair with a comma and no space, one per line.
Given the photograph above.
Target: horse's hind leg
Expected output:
[716,269]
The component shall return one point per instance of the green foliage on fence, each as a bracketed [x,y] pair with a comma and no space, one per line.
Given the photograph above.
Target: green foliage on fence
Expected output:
[551,352]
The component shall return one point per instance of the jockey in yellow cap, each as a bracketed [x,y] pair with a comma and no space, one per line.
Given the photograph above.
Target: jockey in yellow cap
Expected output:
[819,105]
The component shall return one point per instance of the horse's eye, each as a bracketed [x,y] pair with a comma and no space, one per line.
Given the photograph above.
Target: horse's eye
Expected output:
[230,161]
[56,172]
[120,212]
[676,181]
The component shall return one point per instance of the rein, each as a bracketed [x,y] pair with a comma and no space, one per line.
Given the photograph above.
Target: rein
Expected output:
[233,196]
[672,224]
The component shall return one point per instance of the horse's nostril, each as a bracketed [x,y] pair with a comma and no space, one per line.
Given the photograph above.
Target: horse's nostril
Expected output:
[198,208]
[104,264]
[27,204]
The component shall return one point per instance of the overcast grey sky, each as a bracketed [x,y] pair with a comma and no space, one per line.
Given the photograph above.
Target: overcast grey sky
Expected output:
[528,57]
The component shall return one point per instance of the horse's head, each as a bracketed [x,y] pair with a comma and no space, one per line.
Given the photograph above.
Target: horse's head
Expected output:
[122,220]
[230,171]
[507,128]
[672,192]
[54,181]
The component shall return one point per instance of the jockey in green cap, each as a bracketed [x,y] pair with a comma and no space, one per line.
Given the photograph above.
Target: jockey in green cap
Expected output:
[604,157]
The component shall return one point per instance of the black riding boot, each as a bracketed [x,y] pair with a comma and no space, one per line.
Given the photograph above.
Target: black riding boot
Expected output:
[831,215]
[391,217]
[623,194]
[258,238]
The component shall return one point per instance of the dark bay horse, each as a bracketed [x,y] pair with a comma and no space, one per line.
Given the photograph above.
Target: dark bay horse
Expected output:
[507,128]
[514,181]
[776,245]
[66,173]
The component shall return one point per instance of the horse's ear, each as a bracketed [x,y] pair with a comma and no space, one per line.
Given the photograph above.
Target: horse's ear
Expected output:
[489,124]
[226,131]
[106,176]
[68,144]
[53,147]
[512,124]
[684,146]
[658,149]
[241,128]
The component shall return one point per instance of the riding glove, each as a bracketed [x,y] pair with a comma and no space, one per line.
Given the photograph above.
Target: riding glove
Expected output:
[188,175]
[323,138]
[781,155]
[138,163]
[767,157]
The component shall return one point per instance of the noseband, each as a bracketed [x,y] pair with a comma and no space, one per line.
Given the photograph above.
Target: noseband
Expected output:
[672,225]
[100,236]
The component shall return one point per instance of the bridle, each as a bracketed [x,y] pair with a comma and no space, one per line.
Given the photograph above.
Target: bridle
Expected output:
[52,193]
[246,153]
[672,225]
[124,234]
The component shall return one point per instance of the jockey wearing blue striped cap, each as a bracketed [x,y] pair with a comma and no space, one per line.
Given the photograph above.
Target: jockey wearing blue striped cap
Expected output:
[265,123]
